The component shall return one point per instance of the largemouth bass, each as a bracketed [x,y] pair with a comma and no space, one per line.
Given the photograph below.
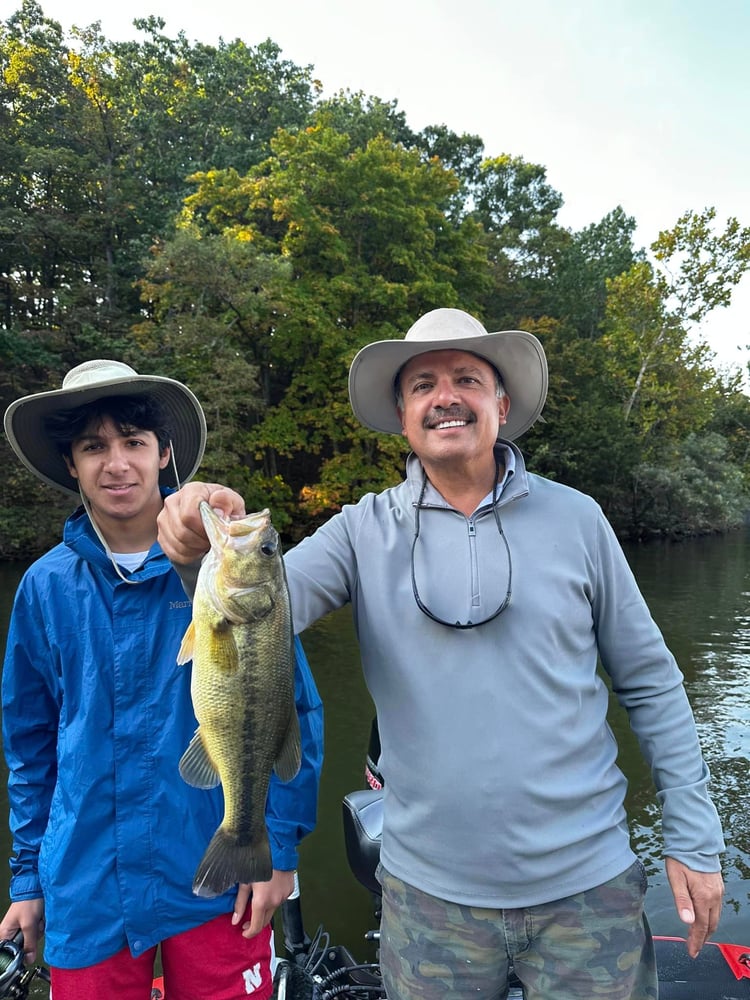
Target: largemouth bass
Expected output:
[242,647]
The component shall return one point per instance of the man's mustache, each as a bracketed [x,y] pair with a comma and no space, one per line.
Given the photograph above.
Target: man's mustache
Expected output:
[439,415]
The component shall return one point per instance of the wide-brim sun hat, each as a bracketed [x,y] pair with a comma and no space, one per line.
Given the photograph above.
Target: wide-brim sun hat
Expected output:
[91,381]
[517,355]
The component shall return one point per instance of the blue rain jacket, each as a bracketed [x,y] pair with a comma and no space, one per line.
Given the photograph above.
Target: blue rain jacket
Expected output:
[96,715]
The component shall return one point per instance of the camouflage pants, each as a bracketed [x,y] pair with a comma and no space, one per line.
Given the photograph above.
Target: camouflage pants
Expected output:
[594,944]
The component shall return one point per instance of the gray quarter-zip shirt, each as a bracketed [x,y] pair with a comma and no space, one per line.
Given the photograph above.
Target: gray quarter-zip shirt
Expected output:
[501,782]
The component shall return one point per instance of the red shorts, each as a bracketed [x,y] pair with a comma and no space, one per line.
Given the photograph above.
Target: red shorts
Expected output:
[210,962]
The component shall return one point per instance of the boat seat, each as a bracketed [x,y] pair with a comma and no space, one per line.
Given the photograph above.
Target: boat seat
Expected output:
[363,828]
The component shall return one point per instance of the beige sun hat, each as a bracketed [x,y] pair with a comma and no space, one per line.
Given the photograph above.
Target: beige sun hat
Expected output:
[517,355]
[86,383]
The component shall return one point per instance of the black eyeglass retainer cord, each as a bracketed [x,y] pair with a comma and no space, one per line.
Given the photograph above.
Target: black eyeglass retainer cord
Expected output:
[420,604]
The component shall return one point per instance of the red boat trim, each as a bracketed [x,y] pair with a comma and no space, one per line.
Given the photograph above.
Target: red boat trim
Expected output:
[737,958]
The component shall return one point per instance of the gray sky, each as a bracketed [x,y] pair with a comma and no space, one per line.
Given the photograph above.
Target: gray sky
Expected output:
[638,103]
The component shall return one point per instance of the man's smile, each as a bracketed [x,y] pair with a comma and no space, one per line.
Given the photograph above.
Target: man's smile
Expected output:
[441,421]
[450,423]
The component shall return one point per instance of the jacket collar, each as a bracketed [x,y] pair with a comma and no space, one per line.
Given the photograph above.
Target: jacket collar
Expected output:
[79,535]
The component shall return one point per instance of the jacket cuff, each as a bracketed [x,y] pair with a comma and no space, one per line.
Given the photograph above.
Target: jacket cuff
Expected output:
[284,857]
[25,887]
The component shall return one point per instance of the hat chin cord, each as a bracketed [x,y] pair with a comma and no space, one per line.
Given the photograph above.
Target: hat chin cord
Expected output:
[100,534]
[174,465]
[103,540]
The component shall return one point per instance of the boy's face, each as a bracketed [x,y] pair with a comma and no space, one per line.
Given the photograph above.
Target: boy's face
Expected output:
[118,470]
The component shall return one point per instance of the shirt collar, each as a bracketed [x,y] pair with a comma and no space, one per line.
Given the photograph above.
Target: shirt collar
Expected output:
[505,456]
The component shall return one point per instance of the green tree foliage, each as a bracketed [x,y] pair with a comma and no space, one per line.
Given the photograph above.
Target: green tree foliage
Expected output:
[582,439]
[627,407]
[699,267]
[650,355]
[199,211]
[213,307]
[515,203]
[364,232]
[101,139]
[598,253]
[363,118]
[462,154]
[701,491]
[731,419]
[668,389]
[517,209]
[40,170]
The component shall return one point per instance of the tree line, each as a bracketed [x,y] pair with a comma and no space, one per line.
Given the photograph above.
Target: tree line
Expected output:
[201,211]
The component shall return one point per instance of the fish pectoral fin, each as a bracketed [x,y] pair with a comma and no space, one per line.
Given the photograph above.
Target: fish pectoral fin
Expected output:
[290,757]
[196,767]
[224,653]
[185,653]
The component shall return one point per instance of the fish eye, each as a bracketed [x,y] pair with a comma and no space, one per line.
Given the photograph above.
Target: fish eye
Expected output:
[268,548]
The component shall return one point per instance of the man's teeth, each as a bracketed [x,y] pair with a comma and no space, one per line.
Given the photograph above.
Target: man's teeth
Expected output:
[452,423]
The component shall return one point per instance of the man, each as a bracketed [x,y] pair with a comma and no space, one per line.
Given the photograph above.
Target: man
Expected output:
[97,713]
[482,596]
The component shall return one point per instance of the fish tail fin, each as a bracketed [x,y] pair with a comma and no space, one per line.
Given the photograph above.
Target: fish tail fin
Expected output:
[227,862]
[290,756]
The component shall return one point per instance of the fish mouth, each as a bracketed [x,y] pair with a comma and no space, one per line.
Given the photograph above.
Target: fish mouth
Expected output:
[249,525]
[220,528]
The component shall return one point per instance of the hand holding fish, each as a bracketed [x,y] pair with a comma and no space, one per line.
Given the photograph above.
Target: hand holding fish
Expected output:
[267,897]
[182,534]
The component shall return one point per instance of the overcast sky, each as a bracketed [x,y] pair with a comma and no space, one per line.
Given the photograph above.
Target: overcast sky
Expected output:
[638,103]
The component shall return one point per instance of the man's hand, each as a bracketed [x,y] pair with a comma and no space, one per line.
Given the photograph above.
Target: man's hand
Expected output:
[266,897]
[698,897]
[181,532]
[26,915]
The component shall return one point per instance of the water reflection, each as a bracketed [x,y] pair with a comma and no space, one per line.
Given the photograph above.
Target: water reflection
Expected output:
[699,594]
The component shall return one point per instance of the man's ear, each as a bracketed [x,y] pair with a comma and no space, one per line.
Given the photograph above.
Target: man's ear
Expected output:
[503,408]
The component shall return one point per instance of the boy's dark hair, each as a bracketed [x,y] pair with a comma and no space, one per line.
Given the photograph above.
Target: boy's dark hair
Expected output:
[128,413]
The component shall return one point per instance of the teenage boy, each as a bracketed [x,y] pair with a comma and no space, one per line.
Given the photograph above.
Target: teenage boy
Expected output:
[97,713]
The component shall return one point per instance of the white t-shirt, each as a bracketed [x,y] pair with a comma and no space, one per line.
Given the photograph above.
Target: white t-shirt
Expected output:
[130,561]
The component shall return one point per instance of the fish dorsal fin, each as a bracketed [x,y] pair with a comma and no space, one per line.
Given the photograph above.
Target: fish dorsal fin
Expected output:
[187,645]
[196,767]
[290,756]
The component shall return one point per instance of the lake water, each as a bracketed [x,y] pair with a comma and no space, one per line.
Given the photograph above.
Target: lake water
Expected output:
[699,594]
